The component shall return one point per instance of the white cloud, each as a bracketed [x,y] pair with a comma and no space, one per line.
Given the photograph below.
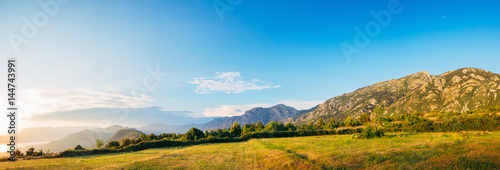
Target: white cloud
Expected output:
[227,82]
[38,101]
[238,110]
[231,110]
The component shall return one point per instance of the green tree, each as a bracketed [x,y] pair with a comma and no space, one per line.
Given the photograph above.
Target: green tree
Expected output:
[113,144]
[126,142]
[99,143]
[260,126]
[235,130]
[274,126]
[290,127]
[79,147]
[248,128]
[193,134]
[143,137]
[222,133]
[332,124]
[381,120]
[364,118]
[152,136]
[308,127]
[320,123]
[350,122]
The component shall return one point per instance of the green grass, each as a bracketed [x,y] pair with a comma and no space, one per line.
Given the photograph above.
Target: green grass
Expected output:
[395,151]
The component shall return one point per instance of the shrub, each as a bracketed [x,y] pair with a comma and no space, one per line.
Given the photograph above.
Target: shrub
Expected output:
[193,134]
[112,145]
[125,142]
[350,122]
[369,133]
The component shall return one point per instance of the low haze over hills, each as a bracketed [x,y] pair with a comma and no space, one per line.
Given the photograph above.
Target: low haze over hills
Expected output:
[86,138]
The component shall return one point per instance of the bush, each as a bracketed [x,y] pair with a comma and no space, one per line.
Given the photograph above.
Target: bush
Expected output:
[112,145]
[350,122]
[369,133]
[125,142]
[193,134]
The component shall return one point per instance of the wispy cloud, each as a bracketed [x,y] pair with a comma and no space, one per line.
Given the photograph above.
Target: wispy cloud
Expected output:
[129,117]
[238,110]
[227,82]
[38,101]
[231,110]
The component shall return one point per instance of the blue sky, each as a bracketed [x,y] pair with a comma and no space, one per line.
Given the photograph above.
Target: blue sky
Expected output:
[94,53]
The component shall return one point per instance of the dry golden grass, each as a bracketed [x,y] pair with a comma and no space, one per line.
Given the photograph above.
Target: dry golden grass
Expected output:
[405,151]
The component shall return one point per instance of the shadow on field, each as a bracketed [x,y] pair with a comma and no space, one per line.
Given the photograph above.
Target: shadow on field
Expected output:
[401,135]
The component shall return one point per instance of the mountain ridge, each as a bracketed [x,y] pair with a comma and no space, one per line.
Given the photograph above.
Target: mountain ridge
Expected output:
[457,90]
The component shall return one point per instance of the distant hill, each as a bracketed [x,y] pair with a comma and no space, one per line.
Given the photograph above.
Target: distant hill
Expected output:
[124,133]
[43,134]
[159,128]
[86,138]
[459,90]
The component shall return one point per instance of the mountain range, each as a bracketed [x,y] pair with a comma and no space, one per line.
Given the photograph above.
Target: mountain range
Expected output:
[86,138]
[458,91]
[265,115]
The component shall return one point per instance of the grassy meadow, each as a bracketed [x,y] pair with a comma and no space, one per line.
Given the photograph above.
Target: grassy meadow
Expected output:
[394,151]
